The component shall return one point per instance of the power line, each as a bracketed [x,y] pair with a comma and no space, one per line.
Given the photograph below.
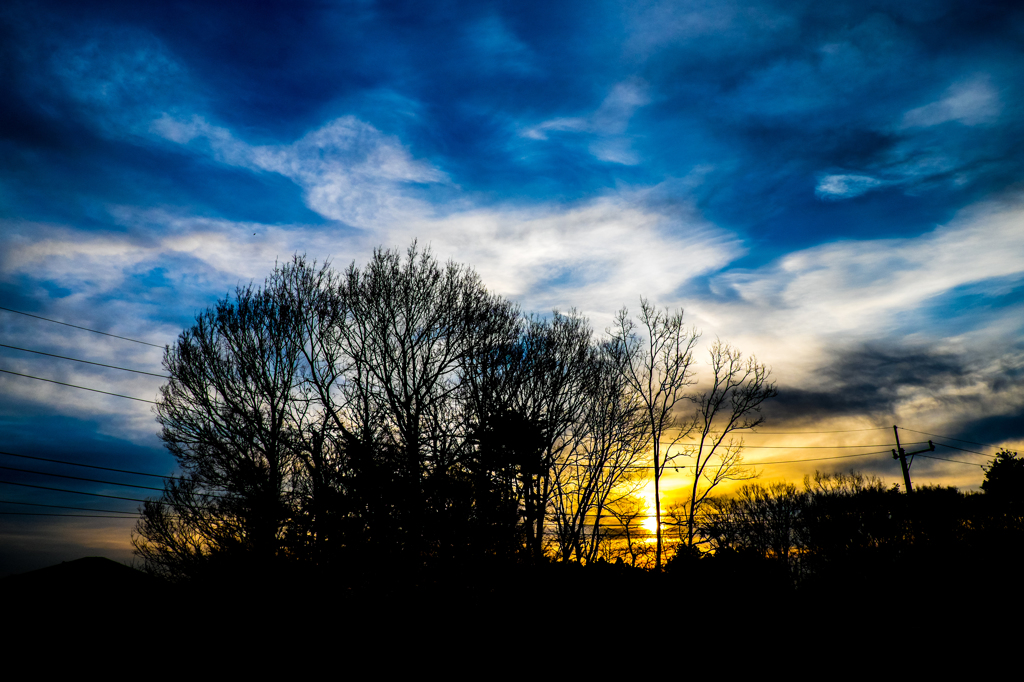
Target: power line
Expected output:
[983,454]
[959,440]
[77,516]
[76,492]
[787,461]
[79,478]
[88,362]
[95,331]
[794,433]
[90,466]
[61,506]
[958,461]
[819,459]
[84,388]
[112,497]
[819,447]
[792,461]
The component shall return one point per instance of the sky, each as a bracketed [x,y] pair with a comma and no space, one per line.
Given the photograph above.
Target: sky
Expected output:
[834,188]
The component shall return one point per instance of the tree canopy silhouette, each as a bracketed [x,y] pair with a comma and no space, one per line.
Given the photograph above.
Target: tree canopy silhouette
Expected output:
[1004,477]
[400,416]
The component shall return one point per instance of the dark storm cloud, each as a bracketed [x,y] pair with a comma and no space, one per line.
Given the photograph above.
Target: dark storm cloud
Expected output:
[879,380]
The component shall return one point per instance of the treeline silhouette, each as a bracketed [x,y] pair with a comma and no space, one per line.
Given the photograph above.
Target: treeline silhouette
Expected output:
[385,425]
[398,430]
[852,531]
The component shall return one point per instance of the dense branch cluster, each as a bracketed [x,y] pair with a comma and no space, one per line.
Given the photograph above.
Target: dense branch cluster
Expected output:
[402,415]
[396,413]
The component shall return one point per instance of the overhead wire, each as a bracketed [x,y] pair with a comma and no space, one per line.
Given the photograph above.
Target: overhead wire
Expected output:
[95,480]
[67,324]
[80,478]
[944,459]
[87,362]
[788,461]
[79,464]
[959,440]
[953,447]
[82,492]
[84,388]
[794,433]
[76,492]
[62,506]
[76,516]
[819,447]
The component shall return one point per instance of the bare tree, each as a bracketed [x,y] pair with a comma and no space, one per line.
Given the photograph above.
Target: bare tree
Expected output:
[630,538]
[761,519]
[733,402]
[655,358]
[557,380]
[400,411]
[601,466]
[231,416]
[322,410]
[412,324]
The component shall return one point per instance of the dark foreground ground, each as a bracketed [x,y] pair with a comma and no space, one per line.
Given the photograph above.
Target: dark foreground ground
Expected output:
[607,598]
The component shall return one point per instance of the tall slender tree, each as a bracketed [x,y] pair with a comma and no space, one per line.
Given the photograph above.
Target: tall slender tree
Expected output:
[655,358]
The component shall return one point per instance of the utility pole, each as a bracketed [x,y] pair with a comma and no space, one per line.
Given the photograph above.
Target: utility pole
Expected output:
[901,454]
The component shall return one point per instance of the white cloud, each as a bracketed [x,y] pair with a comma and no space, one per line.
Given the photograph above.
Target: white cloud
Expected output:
[861,285]
[716,25]
[596,256]
[612,118]
[972,102]
[616,150]
[845,186]
[799,308]
[608,125]
[540,131]
[350,171]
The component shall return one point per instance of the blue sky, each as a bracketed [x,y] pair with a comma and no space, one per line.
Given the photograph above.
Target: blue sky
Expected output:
[834,187]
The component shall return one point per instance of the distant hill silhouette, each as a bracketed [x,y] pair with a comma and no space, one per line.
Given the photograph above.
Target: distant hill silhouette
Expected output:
[93,582]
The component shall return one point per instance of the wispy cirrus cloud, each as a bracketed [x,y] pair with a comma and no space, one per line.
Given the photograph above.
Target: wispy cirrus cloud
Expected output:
[852,285]
[843,186]
[870,326]
[348,169]
[607,125]
[970,102]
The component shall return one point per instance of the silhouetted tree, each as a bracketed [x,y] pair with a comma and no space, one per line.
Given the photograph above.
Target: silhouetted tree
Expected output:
[394,413]
[630,539]
[602,465]
[852,527]
[732,402]
[400,414]
[1004,478]
[655,358]
[411,325]
[760,519]
[232,418]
